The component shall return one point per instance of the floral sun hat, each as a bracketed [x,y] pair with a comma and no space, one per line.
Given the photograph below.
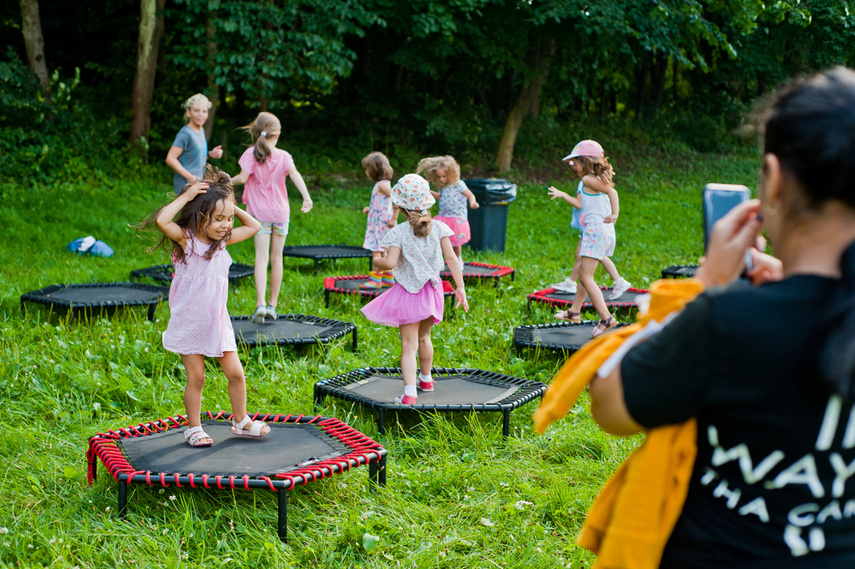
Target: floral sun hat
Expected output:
[412,192]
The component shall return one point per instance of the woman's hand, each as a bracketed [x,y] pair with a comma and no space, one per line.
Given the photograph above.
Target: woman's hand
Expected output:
[556,193]
[766,268]
[732,236]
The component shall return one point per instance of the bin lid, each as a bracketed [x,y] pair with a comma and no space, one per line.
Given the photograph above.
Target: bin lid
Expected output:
[492,190]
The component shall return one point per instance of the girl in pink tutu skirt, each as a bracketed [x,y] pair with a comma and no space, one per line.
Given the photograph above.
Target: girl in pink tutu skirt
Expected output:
[199,323]
[414,253]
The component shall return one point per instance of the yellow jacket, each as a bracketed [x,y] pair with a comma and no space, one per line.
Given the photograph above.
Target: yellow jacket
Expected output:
[632,518]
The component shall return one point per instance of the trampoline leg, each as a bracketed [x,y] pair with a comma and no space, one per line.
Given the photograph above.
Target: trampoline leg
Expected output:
[327,298]
[319,401]
[354,339]
[377,474]
[123,498]
[506,423]
[316,265]
[282,528]
[151,308]
[381,421]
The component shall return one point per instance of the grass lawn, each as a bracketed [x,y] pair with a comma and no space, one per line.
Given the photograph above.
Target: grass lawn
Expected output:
[458,494]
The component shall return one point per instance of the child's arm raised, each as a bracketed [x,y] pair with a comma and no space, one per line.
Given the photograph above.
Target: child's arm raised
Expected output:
[301,185]
[572,200]
[456,273]
[164,219]
[249,227]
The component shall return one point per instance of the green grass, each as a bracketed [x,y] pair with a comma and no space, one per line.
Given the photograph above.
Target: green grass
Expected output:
[458,494]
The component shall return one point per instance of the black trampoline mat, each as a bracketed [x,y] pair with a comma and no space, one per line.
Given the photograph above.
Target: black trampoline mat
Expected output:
[287,447]
[687,271]
[448,390]
[564,335]
[165,273]
[627,297]
[325,251]
[99,294]
[278,329]
[473,270]
[353,284]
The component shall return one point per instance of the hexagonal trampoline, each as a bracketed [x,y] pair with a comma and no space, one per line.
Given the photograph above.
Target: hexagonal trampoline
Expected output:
[561,336]
[291,329]
[319,252]
[350,285]
[97,298]
[481,271]
[456,389]
[556,298]
[679,271]
[298,450]
[164,273]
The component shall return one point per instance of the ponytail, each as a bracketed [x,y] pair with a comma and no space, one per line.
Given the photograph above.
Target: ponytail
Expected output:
[420,221]
[264,127]
[837,358]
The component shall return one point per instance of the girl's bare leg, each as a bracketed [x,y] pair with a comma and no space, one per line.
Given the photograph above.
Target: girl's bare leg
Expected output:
[194,364]
[586,279]
[262,253]
[277,244]
[425,346]
[409,347]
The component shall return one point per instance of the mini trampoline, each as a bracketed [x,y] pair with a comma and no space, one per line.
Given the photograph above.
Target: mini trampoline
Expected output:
[481,271]
[552,297]
[97,298]
[297,451]
[562,336]
[296,329]
[318,252]
[456,389]
[679,271]
[350,285]
[164,273]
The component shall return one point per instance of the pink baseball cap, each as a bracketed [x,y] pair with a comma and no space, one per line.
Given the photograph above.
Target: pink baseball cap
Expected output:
[586,148]
[412,192]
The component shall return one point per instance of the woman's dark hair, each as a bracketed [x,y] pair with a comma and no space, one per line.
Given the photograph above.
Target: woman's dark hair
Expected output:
[810,127]
[194,217]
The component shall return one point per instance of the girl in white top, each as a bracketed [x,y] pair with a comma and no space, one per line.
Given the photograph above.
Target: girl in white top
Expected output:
[414,253]
[599,204]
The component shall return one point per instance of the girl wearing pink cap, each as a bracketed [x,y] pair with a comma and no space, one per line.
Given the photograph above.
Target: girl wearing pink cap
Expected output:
[414,252]
[598,201]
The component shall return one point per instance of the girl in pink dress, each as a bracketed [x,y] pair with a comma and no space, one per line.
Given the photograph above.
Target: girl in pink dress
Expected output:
[199,323]
[263,168]
[381,216]
[415,302]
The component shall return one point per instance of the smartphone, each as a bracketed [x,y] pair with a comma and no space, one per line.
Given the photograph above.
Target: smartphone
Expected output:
[718,200]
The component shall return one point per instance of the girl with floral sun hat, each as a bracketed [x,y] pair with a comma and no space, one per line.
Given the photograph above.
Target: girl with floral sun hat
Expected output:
[414,253]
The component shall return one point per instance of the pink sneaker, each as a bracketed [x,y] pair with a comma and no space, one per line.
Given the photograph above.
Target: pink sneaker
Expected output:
[425,385]
[405,400]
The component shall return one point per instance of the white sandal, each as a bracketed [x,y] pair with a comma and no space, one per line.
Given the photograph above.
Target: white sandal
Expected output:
[196,437]
[249,428]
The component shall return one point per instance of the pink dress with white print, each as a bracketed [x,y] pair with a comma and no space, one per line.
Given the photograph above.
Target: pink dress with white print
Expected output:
[379,214]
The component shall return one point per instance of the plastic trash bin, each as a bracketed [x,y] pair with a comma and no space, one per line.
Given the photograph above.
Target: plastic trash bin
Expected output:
[489,223]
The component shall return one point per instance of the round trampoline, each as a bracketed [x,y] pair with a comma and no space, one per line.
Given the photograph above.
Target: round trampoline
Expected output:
[679,271]
[350,285]
[297,451]
[481,271]
[552,297]
[97,298]
[293,329]
[164,273]
[561,336]
[318,252]
[456,389]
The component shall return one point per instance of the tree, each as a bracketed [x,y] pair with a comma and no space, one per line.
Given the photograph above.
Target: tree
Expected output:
[150,32]
[35,43]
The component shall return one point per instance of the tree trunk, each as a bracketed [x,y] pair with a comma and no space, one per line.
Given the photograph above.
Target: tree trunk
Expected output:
[35,43]
[151,30]
[528,102]
[660,67]
[213,88]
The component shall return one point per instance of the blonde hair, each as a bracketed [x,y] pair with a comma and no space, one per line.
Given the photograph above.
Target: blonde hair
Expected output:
[431,164]
[419,220]
[377,166]
[197,99]
[263,129]
[597,166]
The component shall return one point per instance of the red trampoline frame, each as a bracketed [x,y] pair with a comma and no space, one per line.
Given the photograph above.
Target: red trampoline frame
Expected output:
[540,296]
[329,286]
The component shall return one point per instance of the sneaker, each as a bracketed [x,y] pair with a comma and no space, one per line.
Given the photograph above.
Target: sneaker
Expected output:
[425,385]
[258,317]
[271,313]
[405,400]
[565,286]
[621,287]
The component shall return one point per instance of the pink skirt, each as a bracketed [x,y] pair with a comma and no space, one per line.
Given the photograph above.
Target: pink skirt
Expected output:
[396,306]
[460,227]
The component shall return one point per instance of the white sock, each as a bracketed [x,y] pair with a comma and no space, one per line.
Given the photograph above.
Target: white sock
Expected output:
[461,260]
[410,390]
[426,378]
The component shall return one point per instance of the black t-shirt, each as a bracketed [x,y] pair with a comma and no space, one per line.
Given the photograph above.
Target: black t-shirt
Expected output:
[774,480]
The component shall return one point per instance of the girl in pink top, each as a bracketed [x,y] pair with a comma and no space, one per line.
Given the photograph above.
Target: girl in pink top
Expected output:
[199,323]
[263,168]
